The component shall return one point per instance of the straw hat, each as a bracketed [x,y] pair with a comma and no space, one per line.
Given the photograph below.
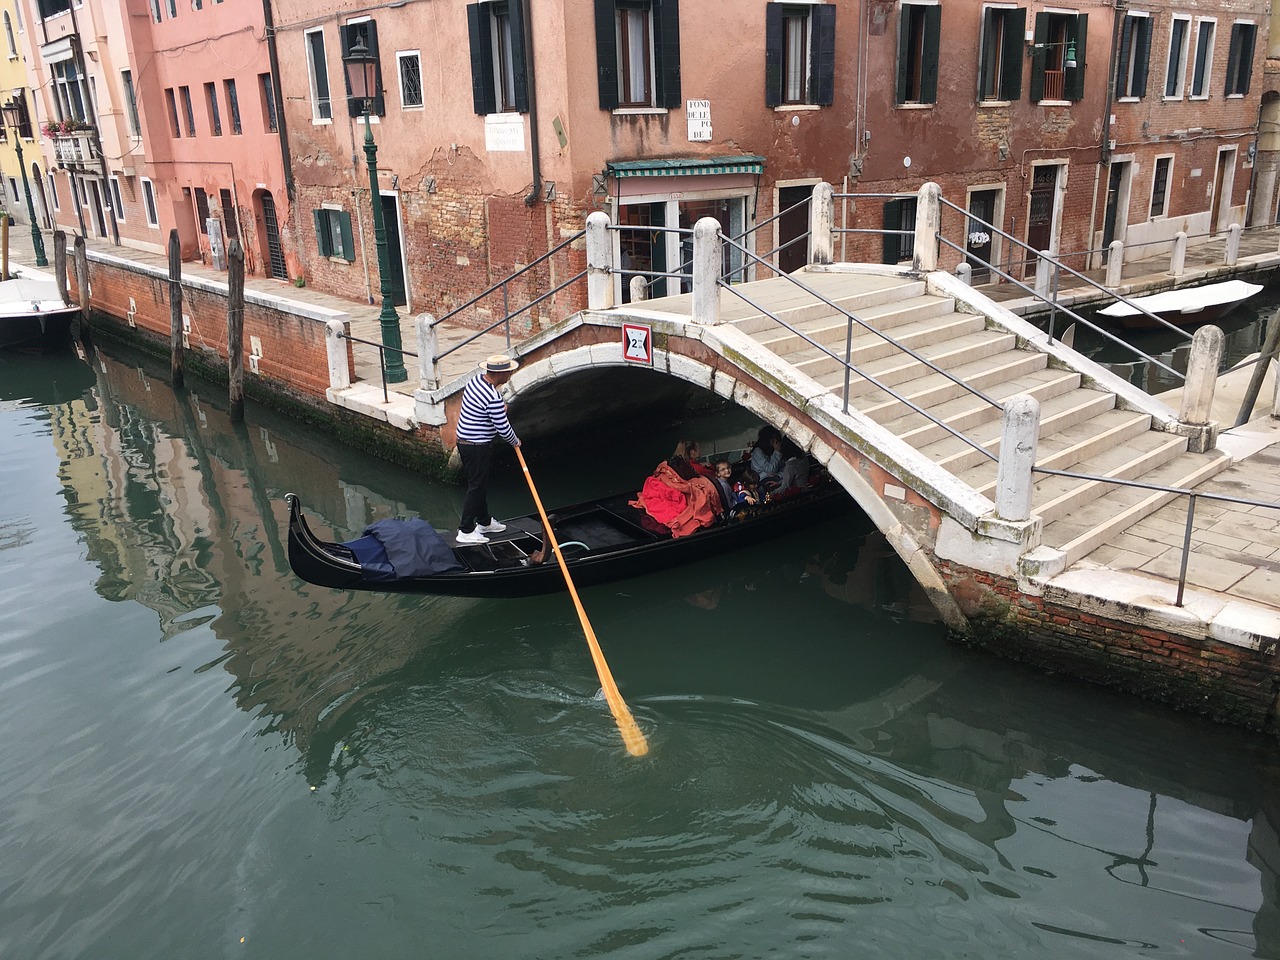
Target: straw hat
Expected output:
[499,363]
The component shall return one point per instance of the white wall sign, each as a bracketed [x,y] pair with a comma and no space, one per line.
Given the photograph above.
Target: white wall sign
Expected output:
[699,115]
[637,343]
[504,133]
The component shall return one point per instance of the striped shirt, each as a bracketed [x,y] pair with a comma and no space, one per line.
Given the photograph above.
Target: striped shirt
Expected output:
[484,415]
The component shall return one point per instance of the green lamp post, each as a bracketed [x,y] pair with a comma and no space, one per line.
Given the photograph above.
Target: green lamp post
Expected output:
[362,77]
[12,111]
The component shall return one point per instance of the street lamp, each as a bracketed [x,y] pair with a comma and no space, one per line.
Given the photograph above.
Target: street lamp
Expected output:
[13,116]
[362,77]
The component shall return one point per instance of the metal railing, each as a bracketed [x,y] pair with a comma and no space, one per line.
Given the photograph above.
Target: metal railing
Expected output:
[652,276]
[751,231]
[382,357]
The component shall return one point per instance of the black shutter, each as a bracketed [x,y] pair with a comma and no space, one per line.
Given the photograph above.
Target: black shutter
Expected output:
[348,243]
[519,69]
[1202,46]
[1015,25]
[904,38]
[929,58]
[822,78]
[666,50]
[607,53]
[1075,76]
[483,94]
[1142,62]
[371,41]
[1249,34]
[1038,53]
[1122,58]
[892,222]
[772,54]
[319,218]
[1233,58]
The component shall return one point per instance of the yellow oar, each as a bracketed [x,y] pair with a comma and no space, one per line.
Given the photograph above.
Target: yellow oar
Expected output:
[635,742]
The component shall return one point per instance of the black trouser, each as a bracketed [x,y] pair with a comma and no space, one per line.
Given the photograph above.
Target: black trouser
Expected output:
[475,467]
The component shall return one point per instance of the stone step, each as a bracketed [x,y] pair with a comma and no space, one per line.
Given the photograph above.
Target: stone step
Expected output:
[869,347]
[901,368]
[966,411]
[797,307]
[926,392]
[832,329]
[1133,460]
[1094,524]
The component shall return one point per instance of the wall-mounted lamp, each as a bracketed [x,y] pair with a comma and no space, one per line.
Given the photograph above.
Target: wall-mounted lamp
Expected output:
[1069,61]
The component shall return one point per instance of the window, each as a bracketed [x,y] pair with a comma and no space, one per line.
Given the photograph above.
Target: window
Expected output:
[172,102]
[1179,33]
[14,197]
[24,115]
[799,58]
[1240,59]
[333,233]
[131,102]
[1160,186]
[366,32]
[173,8]
[51,8]
[197,4]
[496,34]
[8,37]
[202,210]
[1000,56]
[267,90]
[188,111]
[215,112]
[1133,57]
[116,200]
[1204,59]
[918,34]
[155,11]
[53,192]
[233,106]
[70,93]
[899,229]
[409,65]
[629,63]
[321,107]
[149,202]
[229,221]
[1058,56]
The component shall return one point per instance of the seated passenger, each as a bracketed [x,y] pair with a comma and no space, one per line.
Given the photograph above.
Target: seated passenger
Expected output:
[685,461]
[767,462]
[724,483]
[746,492]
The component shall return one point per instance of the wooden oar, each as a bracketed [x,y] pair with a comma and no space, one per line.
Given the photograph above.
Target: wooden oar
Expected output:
[634,740]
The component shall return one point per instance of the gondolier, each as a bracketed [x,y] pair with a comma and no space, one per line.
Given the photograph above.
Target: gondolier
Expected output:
[482,420]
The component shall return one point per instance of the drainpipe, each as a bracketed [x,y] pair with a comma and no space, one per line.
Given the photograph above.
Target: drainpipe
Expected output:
[97,135]
[282,131]
[532,85]
[1104,154]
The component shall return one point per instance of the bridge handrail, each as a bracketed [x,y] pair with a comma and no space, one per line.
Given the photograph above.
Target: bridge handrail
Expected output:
[509,317]
[382,356]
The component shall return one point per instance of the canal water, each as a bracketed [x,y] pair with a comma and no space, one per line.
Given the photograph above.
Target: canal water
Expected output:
[205,757]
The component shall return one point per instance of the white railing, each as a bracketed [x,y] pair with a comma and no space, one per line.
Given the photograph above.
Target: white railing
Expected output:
[76,148]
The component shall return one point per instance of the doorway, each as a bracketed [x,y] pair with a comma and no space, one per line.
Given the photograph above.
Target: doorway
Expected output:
[1223,184]
[980,240]
[274,258]
[1040,213]
[1116,216]
[793,227]
[395,248]
[94,200]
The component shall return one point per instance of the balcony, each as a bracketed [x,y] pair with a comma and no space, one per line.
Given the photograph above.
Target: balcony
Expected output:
[76,150]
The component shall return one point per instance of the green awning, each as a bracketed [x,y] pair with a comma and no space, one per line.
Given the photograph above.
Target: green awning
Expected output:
[690,167]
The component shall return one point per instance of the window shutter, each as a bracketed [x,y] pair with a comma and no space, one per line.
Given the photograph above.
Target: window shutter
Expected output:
[1075,78]
[772,54]
[892,221]
[322,235]
[483,95]
[1249,35]
[1015,26]
[822,79]
[1202,57]
[929,66]
[607,53]
[1122,57]
[348,244]
[379,101]
[519,68]
[1143,63]
[1038,57]
[666,50]
[904,37]
[1233,59]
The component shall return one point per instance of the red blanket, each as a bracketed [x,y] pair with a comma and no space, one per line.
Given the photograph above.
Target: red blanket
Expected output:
[682,505]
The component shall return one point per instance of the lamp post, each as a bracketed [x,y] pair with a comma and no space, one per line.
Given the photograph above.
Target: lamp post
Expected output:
[12,111]
[362,76]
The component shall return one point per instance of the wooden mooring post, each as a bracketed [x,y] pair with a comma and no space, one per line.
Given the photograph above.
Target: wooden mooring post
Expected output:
[4,245]
[235,329]
[60,262]
[175,310]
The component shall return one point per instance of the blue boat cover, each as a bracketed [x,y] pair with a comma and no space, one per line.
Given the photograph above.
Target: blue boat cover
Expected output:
[395,549]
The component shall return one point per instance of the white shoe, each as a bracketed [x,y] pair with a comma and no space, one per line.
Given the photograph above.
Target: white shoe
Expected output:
[475,536]
[492,527]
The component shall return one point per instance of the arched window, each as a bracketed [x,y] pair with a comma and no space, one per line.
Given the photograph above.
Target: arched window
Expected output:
[8,37]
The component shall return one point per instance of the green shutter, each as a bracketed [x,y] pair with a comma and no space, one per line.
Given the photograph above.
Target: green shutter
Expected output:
[348,244]
[904,39]
[772,54]
[1233,62]
[892,222]
[1142,63]
[666,51]
[519,70]
[607,53]
[1015,25]
[1122,58]
[1075,77]
[322,234]
[929,57]
[1038,55]
[483,95]
[822,77]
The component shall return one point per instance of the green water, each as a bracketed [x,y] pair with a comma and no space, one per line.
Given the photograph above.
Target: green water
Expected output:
[207,758]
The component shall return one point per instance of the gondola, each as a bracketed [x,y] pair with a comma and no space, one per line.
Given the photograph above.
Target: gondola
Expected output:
[1183,307]
[601,540]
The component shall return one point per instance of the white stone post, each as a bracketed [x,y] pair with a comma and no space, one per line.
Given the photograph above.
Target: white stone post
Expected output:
[1017,457]
[1202,376]
[707,263]
[1231,252]
[1044,274]
[928,223]
[639,288]
[1115,263]
[822,219]
[964,273]
[428,347]
[1178,259]
[335,343]
[599,262]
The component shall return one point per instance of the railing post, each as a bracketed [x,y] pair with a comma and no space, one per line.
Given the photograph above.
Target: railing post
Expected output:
[428,347]
[1044,274]
[928,225]
[1115,263]
[822,219]
[599,262]
[1017,457]
[1178,259]
[639,287]
[1202,378]
[1231,252]
[336,348]
[965,274]
[707,264]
